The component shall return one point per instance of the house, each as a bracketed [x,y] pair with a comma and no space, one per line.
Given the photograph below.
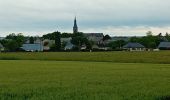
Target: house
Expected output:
[37,40]
[164,46]
[32,47]
[2,38]
[66,43]
[95,37]
[65,40]
[1,47]
[94,47]
[83,47]
[134,47]
[69,46]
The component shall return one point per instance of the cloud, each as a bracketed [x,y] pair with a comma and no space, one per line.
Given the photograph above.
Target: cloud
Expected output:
[40,16]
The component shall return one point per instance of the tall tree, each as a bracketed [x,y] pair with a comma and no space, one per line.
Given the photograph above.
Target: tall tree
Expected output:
[31,40]
[106,37]
[57,40]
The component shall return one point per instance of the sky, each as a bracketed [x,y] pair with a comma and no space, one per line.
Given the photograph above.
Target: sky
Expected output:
[113,17]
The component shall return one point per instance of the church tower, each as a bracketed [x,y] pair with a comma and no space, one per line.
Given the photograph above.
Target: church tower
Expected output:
[75,27]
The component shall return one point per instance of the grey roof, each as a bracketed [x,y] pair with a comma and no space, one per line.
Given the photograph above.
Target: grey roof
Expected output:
[69,46]
[120,38]
[1,38]
[164,45]
[94,34]
[66,39]
[32,47]
[133,45]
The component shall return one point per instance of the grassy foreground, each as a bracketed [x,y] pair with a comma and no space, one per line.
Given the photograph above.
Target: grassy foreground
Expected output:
[119,57]
[74,80]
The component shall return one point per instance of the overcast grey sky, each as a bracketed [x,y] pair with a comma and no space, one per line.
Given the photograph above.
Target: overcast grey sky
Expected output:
[114,17]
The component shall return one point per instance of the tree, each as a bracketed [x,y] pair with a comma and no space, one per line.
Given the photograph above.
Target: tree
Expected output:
[50,36]
[66,35]
[149,33]
[14,41]
[160,34]
[106,37]
[148,41]
[54,36]
[31,40]
[167,36]
[79,39]
[134,39]
[89,44]
[117,45]
[12,46]
[57,40]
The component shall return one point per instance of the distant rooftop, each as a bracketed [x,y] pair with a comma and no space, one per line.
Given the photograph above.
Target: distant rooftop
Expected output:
[1,38]
[32,47]
[164,45]
[133,45]
[94,34]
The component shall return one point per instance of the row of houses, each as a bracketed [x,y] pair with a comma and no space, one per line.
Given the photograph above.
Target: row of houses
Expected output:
[140,47]
[97,38]
[128,47]
[44,45]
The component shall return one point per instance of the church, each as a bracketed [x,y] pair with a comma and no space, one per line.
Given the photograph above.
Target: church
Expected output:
[75,27]
[95,37]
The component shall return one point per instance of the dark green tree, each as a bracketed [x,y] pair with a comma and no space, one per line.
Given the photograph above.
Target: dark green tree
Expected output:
[54,36]
[79,39]
[31,40]
[14,41]
[12,46]
[57,40]
[167,36]
[66,35]
[106,37]
[117,45]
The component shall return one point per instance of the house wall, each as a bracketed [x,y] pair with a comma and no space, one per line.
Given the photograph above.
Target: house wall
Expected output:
[137,49]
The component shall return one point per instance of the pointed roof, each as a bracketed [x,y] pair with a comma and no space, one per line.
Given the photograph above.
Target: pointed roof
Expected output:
[75,22]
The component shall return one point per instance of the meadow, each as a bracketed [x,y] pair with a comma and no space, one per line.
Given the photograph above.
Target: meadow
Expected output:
[85,76]
[119,57]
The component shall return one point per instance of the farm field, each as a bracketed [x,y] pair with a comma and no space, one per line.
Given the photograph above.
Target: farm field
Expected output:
[162,57]
[82,80]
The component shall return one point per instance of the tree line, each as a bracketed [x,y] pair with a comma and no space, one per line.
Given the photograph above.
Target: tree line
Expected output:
[13,42]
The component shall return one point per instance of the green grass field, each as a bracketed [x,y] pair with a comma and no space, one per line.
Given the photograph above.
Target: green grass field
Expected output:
[119,57]
[46,76]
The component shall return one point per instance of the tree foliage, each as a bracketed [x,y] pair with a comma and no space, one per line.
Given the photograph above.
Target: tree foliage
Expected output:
[79,39]
[13,42]
[117,45]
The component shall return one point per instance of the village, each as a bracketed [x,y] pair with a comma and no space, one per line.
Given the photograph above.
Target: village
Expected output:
[79,41]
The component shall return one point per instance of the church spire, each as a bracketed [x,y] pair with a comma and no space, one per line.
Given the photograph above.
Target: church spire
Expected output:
[75,27]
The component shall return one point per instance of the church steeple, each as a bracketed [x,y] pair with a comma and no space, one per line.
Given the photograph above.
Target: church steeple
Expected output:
[75,27]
